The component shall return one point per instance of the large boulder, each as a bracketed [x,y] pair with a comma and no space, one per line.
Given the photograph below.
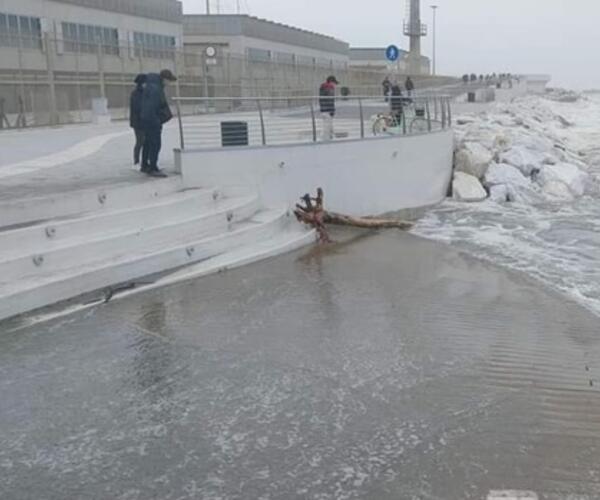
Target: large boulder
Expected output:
[503,173]
[557,190]
[466,187]
[566,173]
[523,159]
[472,158]
[500,193]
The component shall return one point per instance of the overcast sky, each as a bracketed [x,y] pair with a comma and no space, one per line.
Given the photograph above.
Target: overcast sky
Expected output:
[560,37]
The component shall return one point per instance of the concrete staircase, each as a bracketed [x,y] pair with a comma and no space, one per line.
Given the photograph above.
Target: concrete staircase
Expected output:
[56,248]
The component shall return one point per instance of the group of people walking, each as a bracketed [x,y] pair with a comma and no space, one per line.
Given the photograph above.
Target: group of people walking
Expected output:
[392,92]
[148,112]
[394,89]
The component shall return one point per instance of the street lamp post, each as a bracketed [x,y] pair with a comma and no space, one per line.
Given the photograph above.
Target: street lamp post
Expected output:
[208,7]
[434,8]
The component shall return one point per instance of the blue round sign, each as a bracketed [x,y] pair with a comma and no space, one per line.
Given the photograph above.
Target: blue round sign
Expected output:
[392,53]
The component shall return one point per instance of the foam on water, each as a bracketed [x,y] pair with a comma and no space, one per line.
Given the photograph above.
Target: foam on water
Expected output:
[555,242]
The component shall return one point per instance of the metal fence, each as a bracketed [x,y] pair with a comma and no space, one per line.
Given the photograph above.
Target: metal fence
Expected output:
[46,80]
[259,121]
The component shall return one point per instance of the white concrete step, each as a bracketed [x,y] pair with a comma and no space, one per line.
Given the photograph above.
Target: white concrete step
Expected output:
[95,246]
[155,212]
[289,239]
[42,290]
[63,204]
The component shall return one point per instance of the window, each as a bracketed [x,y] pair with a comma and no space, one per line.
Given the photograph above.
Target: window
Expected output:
[258,55]
[285,58]
[23,31]
[153,45]
[305,61]
[87,38]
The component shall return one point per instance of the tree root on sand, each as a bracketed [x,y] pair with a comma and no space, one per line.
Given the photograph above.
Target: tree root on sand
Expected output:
[314,214]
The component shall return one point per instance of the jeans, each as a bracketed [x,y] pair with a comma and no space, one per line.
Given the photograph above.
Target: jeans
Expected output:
[139,142]
[152,145]
[328,133]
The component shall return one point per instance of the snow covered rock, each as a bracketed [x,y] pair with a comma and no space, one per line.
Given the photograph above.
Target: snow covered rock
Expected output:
[557,190]
[523,159]
[565,173]
[500,193]
[472,158]
[466,187]
[503,173]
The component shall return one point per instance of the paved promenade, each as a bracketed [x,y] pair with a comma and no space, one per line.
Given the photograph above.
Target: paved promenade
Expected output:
[381,367]
[43,161]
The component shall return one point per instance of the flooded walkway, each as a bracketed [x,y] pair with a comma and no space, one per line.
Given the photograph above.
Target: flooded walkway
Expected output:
[384,367]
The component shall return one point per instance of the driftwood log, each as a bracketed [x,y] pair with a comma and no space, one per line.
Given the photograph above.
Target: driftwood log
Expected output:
[313,213]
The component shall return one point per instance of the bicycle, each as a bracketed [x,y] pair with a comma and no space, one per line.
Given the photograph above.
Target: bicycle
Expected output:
[412,120]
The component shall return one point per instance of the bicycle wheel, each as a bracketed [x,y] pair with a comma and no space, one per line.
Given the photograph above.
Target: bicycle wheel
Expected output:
[380,125]
[418,125]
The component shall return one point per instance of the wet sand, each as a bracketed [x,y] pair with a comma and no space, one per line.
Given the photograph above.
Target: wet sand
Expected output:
[383,367]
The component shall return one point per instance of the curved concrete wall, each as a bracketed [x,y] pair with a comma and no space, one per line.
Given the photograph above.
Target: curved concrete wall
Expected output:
[363,177]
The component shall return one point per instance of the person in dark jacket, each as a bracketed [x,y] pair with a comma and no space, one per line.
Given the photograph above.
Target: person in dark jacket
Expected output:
[397,103]
[387,88]
[410,86]
[327,106]
[135,117]
[155,113]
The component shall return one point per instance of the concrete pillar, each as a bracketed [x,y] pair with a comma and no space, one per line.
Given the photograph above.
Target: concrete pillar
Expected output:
[101,70]
[50,65]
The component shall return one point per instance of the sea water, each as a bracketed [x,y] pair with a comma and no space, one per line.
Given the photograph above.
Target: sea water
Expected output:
[556,241]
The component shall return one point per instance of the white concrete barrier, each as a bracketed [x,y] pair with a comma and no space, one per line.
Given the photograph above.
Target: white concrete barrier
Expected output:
[362,177]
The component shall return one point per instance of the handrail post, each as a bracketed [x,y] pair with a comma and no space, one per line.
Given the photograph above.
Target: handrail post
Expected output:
[449,112]
[428,114]
[262,123]
[314,121]
[404,121]
[362,118]
[181,140]
[443,106]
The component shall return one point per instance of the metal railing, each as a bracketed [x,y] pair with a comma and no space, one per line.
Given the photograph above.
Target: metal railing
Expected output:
[258,121]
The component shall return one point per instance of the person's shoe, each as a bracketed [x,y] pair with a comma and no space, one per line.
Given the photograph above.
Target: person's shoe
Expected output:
[145,169]
[155,172]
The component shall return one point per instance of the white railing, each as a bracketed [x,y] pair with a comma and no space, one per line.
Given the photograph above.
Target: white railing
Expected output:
[260,121]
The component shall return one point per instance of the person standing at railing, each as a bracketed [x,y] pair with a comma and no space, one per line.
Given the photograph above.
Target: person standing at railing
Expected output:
[135,118]
[397,103]
[327,106]
[410,86]
[155,113]
[387,88]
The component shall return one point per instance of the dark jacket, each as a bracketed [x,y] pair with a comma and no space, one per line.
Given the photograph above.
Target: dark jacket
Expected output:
[135,108]
[155,109]
[396,100]
[410,86]
[327,98]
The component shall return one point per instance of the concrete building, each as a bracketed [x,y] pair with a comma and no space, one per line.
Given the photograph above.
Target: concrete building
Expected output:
[57,55]
[260,40]
[248,56]
[373,58]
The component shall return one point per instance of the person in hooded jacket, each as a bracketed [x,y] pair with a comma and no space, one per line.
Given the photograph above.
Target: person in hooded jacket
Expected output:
[135,117]
[154,114]
[409,86]
[327,106]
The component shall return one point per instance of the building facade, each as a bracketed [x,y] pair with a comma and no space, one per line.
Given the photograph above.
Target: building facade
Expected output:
[374,58]
[57,55]
[259,57]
